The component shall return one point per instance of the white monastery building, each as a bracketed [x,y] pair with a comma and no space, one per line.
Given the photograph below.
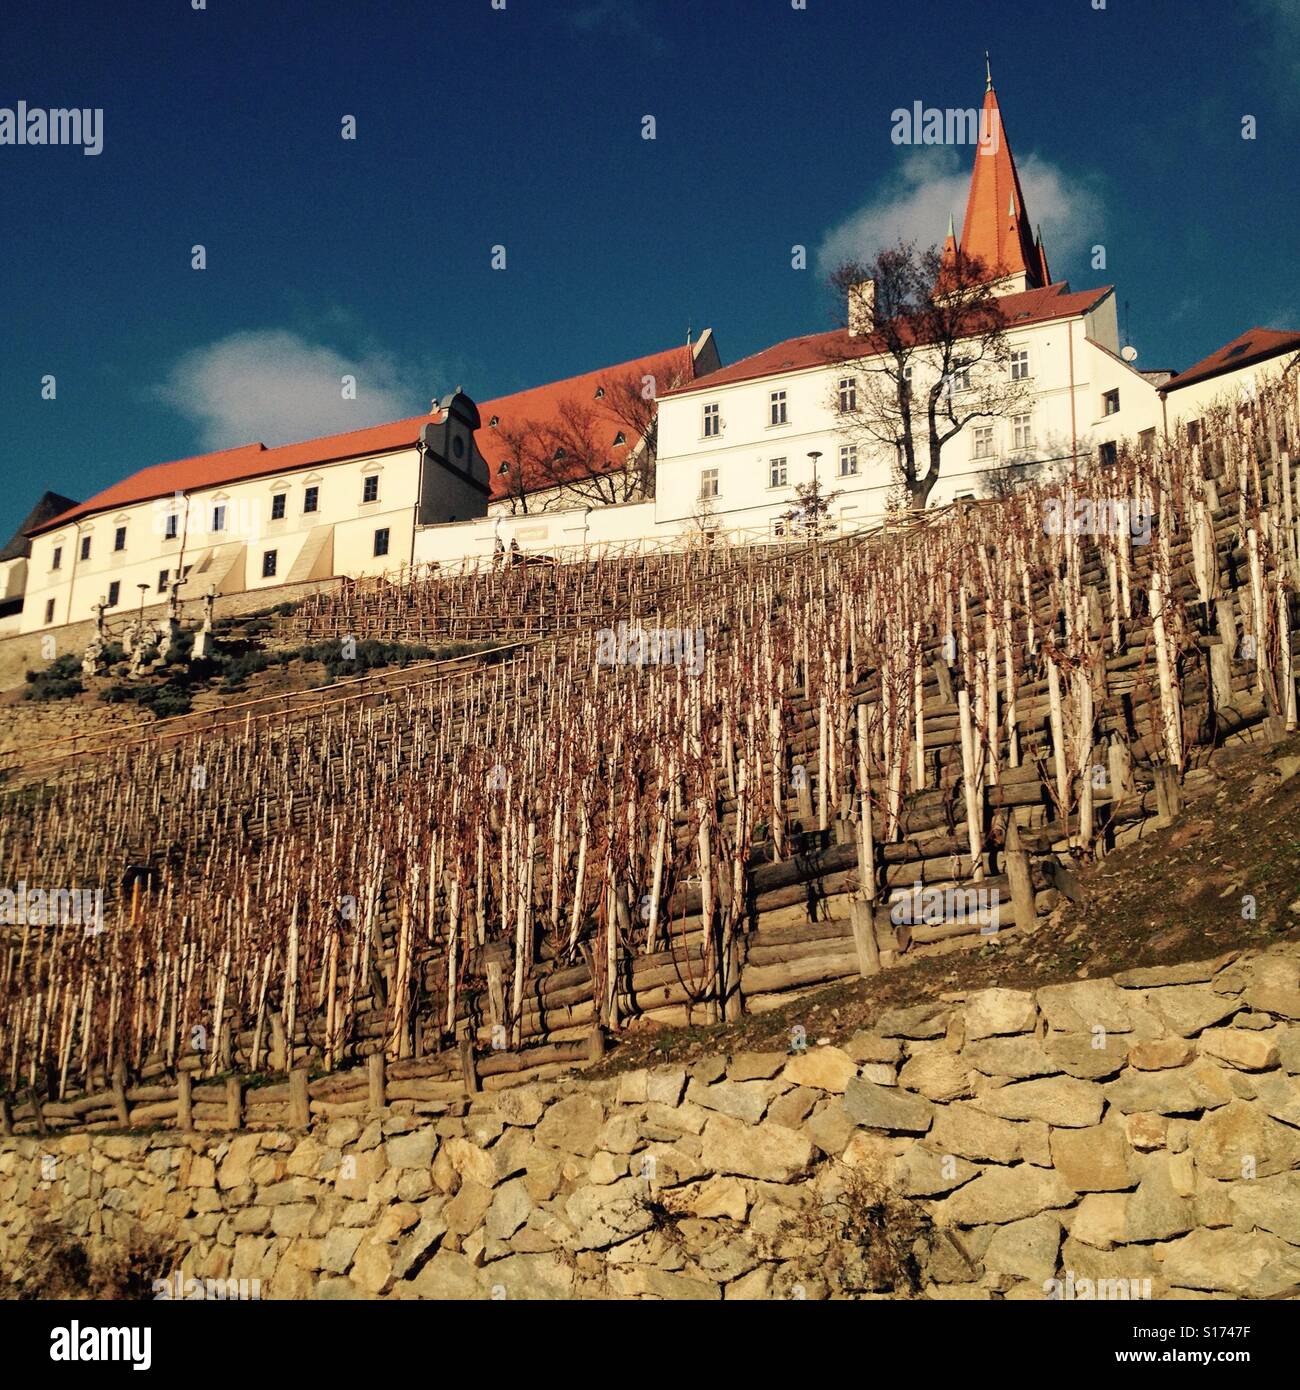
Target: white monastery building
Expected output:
[647,451]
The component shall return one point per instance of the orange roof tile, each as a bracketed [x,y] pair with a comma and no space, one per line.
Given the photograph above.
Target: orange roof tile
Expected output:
[1254,345]
[997,228]
[817,349]
[540,408]
[243,462]
[539,405]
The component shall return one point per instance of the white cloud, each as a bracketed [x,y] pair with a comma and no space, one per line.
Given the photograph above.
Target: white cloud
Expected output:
[932,182]
[275,386]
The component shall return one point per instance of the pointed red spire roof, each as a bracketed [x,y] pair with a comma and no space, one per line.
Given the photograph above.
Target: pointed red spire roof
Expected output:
[997,227]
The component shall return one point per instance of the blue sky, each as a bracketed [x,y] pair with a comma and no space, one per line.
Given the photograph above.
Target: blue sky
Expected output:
[522,127]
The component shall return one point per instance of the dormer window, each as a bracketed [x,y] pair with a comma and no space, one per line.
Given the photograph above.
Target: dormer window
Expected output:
[620,438]
[492,423]
[558,455]
[600,393]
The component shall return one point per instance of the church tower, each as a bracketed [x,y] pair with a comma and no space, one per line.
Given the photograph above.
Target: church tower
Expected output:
[997,227]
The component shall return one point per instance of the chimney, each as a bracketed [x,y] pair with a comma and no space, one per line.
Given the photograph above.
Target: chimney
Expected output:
[862,308]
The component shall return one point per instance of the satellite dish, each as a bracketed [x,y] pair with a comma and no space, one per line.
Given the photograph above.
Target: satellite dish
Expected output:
[1128,352]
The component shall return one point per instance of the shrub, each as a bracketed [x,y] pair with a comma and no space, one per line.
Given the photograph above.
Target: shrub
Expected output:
[58,1265]
[60,679]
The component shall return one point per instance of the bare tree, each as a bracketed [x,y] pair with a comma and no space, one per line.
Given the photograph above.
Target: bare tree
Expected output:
[521,463]
[934,358]
[596,452]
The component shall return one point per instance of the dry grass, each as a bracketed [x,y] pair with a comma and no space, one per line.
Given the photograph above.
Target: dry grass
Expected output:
[58,1265]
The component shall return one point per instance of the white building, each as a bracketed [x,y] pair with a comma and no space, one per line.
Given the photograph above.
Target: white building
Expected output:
[734,446]
[581,462]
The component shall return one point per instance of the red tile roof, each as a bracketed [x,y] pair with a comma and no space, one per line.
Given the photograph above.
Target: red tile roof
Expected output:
[534,412]
[996,229]
[1254,345]
[541,404]
[240,463]
[817,349]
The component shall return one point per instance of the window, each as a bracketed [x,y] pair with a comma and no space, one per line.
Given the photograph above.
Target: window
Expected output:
[49,610]
[381,541]
[370,488]
[959,381]
[776,473]
[85,547]
[185,573]
[219,517]
[56,560]
[114,593]
[1019,364]
[620,438]
[600,393]
[493,422]
[907,380]
[1193,431]
[311,499]
[119,538]
[278,500]
[1110,403]
[1022,432]
[1108,454]
[169,533]
[848,460]
[778,528]
[712,421]
[1147,441]
[268,564]
[708,483]
[982,446]
[776,414]
[848,395]
[162,579]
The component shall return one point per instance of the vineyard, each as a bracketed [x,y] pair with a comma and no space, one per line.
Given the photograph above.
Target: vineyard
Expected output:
[488,872]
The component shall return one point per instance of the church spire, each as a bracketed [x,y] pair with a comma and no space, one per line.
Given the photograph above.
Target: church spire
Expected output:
[997,227]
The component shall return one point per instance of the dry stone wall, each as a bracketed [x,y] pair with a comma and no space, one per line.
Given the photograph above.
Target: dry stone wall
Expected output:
[1137,1136]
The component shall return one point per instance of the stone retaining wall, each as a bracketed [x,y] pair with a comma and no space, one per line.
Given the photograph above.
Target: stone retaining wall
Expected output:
[1128,1137]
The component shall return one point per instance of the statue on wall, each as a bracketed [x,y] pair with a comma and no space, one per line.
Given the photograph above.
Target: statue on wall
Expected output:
[203,639]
